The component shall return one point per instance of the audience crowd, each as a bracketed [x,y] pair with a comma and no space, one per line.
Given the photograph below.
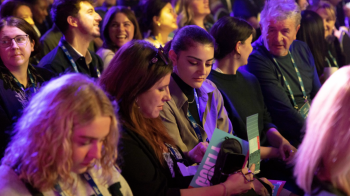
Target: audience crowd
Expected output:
[116,98]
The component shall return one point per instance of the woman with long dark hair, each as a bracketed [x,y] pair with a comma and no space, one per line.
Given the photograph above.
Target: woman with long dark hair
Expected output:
[149,155]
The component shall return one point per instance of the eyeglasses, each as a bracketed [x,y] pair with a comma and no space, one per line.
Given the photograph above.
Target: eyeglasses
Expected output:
[21,40]
[160,53]
[246,176]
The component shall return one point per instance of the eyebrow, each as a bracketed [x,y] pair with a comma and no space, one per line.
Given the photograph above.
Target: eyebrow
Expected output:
[200,59]
[90,138]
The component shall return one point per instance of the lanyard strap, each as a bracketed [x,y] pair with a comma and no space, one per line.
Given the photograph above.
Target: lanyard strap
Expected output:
[193,121]
[333,59]
[89,179]
[174,152]
[70,58]
[287,84]
[32,83]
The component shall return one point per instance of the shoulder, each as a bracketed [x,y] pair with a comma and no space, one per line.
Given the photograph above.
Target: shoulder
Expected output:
[44,73]
[103,52]
[52,56]
[10,184]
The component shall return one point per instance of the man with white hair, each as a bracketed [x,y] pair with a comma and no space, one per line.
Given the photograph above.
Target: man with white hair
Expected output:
[285,68]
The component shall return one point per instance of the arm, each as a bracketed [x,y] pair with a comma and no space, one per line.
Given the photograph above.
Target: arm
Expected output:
[287,119]
[141,169]
[170,123]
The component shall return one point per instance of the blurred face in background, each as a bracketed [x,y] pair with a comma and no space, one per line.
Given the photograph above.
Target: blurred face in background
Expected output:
[167,18]
[303,4]
[121,30]
[200,7]
[25,13]
[40,11]
[328,17]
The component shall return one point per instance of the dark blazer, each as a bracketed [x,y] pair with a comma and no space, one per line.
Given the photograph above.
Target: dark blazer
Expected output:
[143,171]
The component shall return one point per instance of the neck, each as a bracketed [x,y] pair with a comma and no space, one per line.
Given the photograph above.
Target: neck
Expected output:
[228,65]
[199,21]
[20,73]
[161,36]
[79,42]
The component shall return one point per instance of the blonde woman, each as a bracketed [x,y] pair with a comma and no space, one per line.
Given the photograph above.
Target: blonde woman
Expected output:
[194,12]
[322,164]
[68,129]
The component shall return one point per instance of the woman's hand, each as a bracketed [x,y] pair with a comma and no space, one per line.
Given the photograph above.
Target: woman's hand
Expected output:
[260,188]
[197,153]
[237,183]
[287,151]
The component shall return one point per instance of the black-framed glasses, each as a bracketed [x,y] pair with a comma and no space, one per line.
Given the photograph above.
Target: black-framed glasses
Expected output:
[160,54]
[21,40]
[246,176]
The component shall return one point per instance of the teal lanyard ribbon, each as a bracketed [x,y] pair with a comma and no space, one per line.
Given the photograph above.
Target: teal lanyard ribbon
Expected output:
[32,83]
[287,84]
[89,179]
[193,121]
[333,59]
[70,58]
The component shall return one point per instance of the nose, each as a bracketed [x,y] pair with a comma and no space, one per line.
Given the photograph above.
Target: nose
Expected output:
[95,150]
[98,17]
[121,27]
[167,96]
[14,44]
[201,68]
[279,37]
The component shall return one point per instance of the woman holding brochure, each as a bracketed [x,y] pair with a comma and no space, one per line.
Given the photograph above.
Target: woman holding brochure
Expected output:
[148,153]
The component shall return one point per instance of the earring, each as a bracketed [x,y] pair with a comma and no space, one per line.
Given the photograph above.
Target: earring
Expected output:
[158,24]
[136,103]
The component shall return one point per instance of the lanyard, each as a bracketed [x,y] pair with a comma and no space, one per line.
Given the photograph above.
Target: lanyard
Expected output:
[334,60]
[30,78]
[70,58]
[174,152]
[89,179]
[193,121]
[287,84]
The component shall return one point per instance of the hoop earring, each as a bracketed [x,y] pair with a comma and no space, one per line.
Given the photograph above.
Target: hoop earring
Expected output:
[136,103]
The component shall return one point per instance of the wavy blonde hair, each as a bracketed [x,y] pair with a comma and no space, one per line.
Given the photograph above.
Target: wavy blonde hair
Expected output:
[324,152]
[185,13]
[41,149]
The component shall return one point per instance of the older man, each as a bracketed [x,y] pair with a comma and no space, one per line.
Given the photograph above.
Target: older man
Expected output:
[285,68]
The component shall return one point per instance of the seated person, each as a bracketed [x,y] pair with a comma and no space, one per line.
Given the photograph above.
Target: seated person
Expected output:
[39,9]
[79,25]
[242,94]
[119,27]
[279,61]
[158,21]
[312,32]
[195,12]
[18,9]
[322,164]
[69,128]
[140,85]
[51,38]
[19,80]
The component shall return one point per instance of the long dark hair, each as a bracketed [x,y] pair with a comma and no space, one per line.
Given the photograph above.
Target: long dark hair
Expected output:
[312,33]
[228,31]
[126,78]
[107,42]
[5,74]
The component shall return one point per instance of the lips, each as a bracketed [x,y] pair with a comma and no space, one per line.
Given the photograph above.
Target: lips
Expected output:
[121,37]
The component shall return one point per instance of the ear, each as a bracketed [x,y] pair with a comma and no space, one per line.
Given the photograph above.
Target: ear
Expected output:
[156,20]
[173,57]
[32,44]
[238,47]
[72,21]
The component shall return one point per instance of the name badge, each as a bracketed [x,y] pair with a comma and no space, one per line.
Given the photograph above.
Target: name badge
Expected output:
[304,110]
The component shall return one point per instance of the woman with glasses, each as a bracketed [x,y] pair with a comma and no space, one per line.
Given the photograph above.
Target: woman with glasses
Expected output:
[18,79]
[64,144]
[149,155]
